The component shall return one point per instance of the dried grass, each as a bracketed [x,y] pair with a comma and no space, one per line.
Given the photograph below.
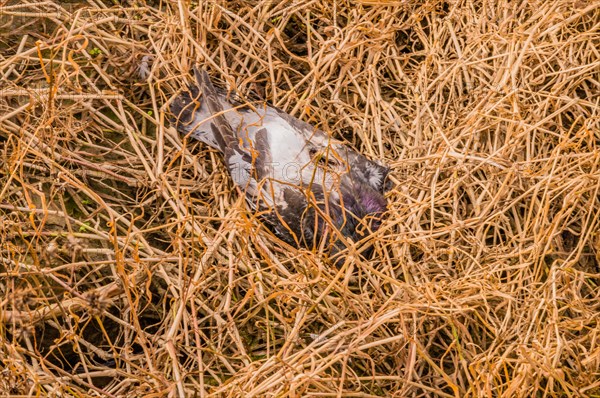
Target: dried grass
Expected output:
[131,266]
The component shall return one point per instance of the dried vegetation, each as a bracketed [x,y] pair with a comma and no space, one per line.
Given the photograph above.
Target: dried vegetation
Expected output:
[130,265]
